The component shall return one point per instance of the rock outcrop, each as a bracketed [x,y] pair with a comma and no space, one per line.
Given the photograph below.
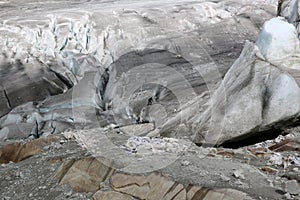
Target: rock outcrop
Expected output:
[83,175]
[16,152]
[90,175]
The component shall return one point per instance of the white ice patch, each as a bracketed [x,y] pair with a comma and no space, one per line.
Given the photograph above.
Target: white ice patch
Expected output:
[278,43]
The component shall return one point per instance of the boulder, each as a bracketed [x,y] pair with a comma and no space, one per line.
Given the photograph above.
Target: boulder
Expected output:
[292,187]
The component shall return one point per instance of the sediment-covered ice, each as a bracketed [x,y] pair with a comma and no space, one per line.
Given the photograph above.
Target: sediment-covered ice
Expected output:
[49,47]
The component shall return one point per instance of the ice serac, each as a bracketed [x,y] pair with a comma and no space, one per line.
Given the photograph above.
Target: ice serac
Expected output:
[261,88]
